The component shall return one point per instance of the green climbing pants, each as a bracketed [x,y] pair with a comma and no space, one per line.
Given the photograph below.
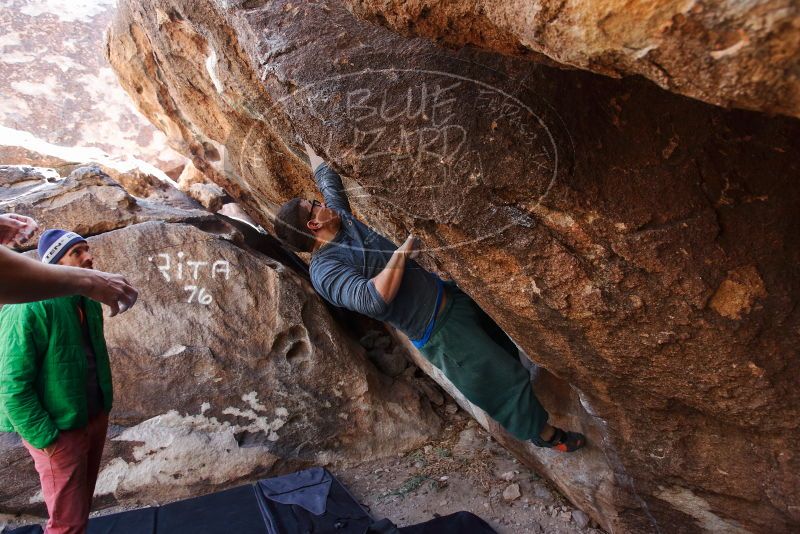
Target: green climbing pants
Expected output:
[482,362]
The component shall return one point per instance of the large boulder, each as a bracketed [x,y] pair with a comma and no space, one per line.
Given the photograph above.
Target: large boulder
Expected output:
[86,200]
[228,369]
[729,53]
[58,87]
[138,177]
[638,245]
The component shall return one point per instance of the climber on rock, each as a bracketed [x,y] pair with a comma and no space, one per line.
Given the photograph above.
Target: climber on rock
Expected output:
[354,267]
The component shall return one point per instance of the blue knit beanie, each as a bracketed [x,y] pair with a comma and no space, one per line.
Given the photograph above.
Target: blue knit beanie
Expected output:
[53,244]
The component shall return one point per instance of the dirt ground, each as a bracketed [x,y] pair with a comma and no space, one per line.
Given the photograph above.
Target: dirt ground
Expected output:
[464,470]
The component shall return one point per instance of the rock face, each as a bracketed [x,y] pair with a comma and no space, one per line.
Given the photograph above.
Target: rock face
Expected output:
[729,53]
[139,178]
[57,85]
[87,201]
[229,368]
[638,245]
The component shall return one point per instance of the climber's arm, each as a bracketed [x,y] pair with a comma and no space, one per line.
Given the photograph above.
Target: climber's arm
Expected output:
[387,282]
[345,286]
[328,182]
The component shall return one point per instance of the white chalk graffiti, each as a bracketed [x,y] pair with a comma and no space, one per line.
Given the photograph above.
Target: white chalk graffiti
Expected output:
[439,140]
[419,101]
[200,292]
[191,270]
[421,139]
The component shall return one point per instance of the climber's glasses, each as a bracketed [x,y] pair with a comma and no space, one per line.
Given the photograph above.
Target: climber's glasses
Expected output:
[314,204]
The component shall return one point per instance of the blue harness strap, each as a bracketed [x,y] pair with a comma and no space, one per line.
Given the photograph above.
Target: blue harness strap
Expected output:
[419,343]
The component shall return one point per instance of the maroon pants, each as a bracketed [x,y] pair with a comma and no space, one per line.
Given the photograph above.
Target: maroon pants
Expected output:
[68,472]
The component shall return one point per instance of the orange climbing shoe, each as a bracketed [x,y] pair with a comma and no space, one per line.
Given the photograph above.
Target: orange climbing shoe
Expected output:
[562,441]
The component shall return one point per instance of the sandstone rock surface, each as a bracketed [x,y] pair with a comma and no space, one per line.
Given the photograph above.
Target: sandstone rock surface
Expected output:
[57,85]
[138,177]
[729,53]
[86,200]
[228,369]
[594,219]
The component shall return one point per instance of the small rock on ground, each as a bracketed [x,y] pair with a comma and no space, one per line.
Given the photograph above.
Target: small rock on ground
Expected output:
[580,518]
[511,492]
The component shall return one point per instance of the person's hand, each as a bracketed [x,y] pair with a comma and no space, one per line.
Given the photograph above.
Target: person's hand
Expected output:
[313,158]
[16,228]
[112,290]
[410,247]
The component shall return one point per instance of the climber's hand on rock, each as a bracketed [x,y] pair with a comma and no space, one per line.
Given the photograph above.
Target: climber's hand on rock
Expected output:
[410,247]
[313,158]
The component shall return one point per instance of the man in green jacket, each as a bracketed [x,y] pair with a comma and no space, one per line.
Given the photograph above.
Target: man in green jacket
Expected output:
[55,390]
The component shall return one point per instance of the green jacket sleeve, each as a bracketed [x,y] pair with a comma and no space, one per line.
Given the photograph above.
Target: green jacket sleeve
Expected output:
[23,338]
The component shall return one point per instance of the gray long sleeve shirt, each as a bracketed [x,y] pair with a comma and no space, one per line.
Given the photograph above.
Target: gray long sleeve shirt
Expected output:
[341,270]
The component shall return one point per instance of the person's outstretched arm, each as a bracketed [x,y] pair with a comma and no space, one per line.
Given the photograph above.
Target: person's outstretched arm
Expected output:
[328,182]
[24,279]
